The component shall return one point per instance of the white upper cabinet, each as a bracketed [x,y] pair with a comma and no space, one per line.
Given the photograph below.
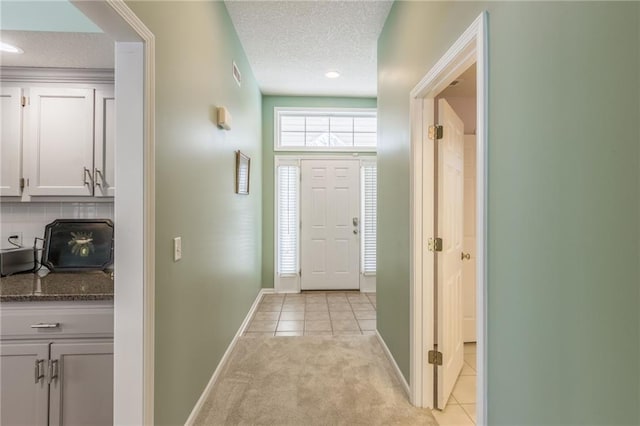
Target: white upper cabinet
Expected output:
[10,140]
[59,141]
[104,172]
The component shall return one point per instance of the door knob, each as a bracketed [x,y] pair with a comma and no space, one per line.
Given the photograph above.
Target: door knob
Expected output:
[464,256]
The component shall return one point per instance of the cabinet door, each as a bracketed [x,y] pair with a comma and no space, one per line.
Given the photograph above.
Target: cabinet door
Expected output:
[24,392]
[59,138]
[11,142]
[105,143]
[82,392]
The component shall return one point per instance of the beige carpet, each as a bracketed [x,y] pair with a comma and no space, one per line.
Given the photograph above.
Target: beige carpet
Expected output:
[310,380]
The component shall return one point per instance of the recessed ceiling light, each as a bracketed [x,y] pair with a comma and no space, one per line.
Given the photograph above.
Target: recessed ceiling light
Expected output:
[5,47]
[332,74]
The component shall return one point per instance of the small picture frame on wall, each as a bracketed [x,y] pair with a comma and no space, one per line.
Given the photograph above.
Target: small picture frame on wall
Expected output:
[243,170]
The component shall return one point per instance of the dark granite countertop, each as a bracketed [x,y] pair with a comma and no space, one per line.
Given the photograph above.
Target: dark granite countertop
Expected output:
[56,286]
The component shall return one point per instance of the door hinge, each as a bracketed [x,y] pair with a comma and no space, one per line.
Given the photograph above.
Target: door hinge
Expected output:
[22,183]
[24,101]
[300,272]
[435,244]
[435,357]
[435,132]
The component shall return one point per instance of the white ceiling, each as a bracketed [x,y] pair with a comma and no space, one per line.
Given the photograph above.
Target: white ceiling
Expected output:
[58,49]
[292,44]
[465,86]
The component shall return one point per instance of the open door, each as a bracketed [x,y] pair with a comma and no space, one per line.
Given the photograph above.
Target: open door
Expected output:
[449,223]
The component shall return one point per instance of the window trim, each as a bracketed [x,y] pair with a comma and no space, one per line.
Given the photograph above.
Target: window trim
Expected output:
[277,111]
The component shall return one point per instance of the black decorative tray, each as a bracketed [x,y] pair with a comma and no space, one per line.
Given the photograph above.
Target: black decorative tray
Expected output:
[78,245]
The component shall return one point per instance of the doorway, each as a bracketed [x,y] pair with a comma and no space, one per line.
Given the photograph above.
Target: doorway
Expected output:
[134,261]
[442,246]
[325,222]
[330,225]
[455,291]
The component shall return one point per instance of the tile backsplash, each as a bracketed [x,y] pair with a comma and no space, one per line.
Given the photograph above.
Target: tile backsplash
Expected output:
[31,218]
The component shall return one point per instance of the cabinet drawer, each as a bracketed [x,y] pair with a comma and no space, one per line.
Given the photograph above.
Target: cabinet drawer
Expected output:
[34,322]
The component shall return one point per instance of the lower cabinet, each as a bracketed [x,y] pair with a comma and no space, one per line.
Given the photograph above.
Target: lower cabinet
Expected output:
[82,391]
[55,380]
[24,391]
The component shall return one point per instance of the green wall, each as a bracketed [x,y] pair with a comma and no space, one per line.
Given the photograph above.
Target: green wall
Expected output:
[268,103]
[563,202]
[201,300]
[41,15]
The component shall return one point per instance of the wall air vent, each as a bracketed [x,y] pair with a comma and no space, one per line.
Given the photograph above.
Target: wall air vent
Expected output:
[236,75]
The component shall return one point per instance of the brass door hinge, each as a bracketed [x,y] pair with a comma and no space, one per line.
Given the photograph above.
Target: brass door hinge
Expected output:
[435,357]
[22,182]
[436,132]
[24,101]
[435,244]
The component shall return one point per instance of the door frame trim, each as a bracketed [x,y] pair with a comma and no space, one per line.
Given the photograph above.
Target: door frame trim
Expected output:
[292,283]
[134,296]
[471,47]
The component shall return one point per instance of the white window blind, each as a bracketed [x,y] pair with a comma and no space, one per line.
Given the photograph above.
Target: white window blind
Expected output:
[326,130]
[288,223]
[369,206]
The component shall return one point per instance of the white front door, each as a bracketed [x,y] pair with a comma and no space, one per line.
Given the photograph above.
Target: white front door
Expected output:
[450,199]
[330,216]
[469,244]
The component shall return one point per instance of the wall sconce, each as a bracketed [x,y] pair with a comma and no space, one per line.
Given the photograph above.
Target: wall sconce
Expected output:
[224,118]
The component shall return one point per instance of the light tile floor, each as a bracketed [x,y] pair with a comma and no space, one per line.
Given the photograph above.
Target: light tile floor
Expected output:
[315,313]
[461,408]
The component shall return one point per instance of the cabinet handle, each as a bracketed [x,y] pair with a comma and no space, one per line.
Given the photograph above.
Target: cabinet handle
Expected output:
[53,370]
[46,325]
[39,372]
[99,178]
[87,172]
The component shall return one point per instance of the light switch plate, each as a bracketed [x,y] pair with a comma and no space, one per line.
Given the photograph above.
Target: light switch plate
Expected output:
[177,249]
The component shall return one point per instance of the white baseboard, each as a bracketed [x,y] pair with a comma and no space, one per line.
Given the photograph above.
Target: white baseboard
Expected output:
[225,358]
[403,381]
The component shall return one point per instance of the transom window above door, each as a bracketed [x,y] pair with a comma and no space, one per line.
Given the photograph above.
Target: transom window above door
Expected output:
[322,129]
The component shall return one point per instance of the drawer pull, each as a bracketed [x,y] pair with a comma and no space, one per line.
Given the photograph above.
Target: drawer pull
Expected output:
[46,325]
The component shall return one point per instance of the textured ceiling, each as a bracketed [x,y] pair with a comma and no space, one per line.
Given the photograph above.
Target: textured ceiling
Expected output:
[58,49]
[292,44]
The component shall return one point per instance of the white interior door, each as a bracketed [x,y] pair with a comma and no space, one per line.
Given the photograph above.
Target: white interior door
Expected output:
[330,216]
[450,200]
[469,243]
